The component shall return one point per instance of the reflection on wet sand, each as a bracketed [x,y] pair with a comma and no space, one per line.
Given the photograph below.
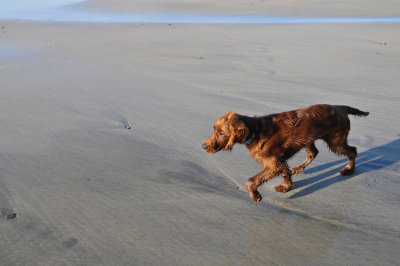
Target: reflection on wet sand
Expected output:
[300,239]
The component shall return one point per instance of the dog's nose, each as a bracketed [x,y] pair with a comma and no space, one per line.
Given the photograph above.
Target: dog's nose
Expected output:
[204,146]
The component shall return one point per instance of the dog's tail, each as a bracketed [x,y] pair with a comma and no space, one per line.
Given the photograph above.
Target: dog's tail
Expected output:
[352,111]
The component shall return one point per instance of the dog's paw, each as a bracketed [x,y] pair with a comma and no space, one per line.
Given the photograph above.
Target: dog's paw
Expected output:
[297,170]
[257,199]
[256,196]
[347,170]
[283,188]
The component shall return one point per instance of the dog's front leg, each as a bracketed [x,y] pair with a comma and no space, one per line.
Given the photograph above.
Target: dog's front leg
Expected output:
[287,179]
[253,183]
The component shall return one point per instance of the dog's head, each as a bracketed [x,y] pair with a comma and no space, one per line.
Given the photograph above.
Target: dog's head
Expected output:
[228,130]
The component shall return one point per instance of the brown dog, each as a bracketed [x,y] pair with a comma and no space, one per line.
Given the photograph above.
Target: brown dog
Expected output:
[273,139]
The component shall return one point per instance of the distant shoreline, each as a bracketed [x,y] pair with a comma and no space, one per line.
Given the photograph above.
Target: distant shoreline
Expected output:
[96,17]
[65,12]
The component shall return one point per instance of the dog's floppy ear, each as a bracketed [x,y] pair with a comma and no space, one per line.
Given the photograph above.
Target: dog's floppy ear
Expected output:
[238,131]
[242,133]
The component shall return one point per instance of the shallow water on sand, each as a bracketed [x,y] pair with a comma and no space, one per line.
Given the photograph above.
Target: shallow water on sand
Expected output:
[45,10]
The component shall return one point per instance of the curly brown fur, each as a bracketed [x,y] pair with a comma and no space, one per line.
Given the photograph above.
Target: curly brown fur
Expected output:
[275,138]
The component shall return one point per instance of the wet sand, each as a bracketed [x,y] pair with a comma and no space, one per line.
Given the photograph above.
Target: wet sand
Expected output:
[102,125]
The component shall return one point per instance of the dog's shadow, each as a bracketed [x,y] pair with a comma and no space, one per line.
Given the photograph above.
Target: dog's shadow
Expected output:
[369,160]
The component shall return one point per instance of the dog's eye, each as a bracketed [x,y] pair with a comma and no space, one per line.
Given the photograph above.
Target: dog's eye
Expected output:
[221,134]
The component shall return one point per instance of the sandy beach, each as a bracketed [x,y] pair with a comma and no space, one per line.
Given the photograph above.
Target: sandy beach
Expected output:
[102,125]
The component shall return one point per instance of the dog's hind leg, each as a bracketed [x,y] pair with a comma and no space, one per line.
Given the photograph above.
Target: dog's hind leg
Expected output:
[338,144]
[312,152]
[351,153]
